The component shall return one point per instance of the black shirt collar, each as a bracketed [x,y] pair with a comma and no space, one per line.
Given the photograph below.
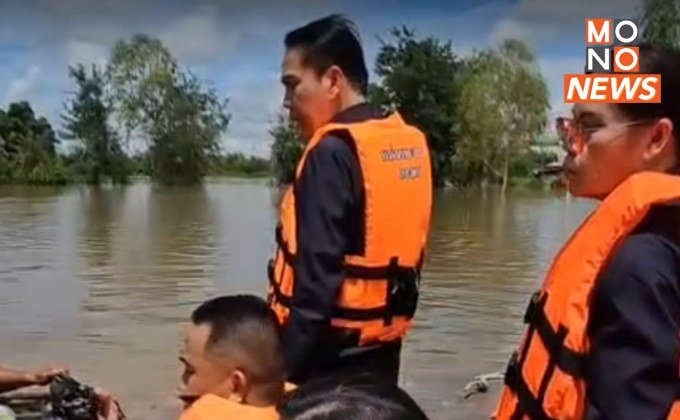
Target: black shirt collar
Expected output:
[358,113]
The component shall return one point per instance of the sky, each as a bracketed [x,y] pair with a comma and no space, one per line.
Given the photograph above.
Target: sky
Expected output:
[236,46]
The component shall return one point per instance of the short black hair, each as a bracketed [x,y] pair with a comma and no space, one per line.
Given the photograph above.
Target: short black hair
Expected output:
[346,398]
[244,328]
[665,62]
[332,40]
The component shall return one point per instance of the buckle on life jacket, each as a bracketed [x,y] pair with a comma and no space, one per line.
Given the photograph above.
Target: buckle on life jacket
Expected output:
[403,290]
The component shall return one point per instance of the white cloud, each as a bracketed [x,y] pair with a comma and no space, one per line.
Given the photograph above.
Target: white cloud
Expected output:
[74,10]
[254,105]
[86,52]
[554,70]
[204,36]
[22,87]
[199,36]
[546,21]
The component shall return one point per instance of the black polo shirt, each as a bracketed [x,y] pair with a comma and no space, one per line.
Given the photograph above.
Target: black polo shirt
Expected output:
[329,197]
[633,372]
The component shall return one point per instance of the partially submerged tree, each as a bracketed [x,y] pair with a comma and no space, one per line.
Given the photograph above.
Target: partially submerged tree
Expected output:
[99,154]
[504,106]
[185,135]
[29,147]
[180,120]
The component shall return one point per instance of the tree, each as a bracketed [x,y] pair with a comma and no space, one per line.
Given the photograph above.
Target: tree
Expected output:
[504,104]
[418,78]
[87,122]
[661,23]
[5,174]
[286,149]
[185,135]
[180,119]
[139,73]
[29,147]
[20,125]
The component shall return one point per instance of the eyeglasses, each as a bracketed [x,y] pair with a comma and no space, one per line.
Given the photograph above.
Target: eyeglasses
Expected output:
[574,137]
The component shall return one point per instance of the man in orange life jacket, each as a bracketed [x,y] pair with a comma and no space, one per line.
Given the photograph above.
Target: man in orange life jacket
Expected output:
[345,276]
[233,365]
[602,336]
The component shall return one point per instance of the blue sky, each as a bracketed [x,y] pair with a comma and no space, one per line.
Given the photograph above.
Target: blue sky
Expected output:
[236,46]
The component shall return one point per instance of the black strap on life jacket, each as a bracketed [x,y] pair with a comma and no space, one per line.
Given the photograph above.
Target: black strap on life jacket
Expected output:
[569,361]
[401,293]
[527,404]
[357,271]
[288,256]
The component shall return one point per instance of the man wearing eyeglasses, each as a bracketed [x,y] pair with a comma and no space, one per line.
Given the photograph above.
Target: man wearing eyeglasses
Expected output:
[601,340]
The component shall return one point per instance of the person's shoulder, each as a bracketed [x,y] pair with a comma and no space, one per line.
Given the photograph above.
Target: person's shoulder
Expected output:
[645,259]
[335,142]
[333,149]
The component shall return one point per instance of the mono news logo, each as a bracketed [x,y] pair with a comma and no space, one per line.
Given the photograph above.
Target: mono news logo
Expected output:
[612,67]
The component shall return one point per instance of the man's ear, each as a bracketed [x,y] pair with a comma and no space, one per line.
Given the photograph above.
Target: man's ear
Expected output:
[661,138]
[335,80]
[239,386]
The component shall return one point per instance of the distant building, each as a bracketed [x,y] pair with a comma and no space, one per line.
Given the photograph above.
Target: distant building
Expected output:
[549,144]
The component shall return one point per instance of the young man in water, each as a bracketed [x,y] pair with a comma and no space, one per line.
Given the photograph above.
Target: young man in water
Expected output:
[233,361]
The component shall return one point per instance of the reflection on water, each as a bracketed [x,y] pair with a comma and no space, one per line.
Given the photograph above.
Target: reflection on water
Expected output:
[103,279]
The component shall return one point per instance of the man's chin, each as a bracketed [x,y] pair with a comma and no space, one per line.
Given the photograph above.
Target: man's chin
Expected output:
[188,400]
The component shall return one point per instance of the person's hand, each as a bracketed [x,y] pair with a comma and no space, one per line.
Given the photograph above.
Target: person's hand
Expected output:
[45,376]
[109,409]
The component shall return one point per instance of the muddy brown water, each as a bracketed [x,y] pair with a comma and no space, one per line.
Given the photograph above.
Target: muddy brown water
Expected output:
[102,280]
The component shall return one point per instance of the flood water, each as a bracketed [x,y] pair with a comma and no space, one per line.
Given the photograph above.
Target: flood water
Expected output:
[102,280]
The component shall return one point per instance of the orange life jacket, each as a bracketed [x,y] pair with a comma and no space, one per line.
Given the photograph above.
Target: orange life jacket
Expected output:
[212,407]
[378,297]
[545,377]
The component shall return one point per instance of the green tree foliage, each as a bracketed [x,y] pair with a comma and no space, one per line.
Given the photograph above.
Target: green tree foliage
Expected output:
[238,164]
[140,72]
[180,119]
[99,154]
[418,78]
[480,114]
[286,150]
[661,22]
[185,133]
[504,104]
[28,147]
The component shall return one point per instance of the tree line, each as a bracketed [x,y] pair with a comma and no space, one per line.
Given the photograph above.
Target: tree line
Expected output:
[485,114]
[141,96]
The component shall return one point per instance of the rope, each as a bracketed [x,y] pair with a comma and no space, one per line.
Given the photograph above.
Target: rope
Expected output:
[480,384]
